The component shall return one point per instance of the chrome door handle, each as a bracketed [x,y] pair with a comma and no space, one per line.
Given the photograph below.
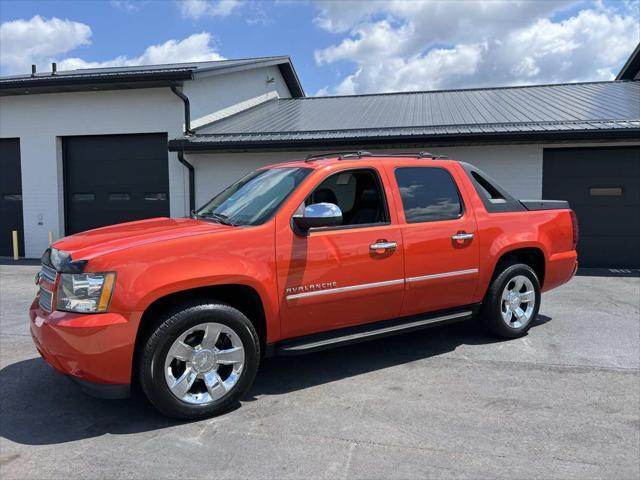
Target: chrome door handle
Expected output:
[462,236]
[383,245]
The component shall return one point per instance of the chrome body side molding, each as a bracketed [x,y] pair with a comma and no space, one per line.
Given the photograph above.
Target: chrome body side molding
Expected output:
[422,278]
[364,286]
[350,288]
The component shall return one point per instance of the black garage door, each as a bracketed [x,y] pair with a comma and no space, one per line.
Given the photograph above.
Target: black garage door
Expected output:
[603,187]
[10,196]
[113,179]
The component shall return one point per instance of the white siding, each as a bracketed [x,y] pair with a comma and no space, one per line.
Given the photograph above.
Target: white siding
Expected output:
[41,120]
[214,93]
[516,168]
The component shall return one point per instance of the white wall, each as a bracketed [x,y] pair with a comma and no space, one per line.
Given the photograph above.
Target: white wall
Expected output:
[516,168]
[41,120]
[210,94]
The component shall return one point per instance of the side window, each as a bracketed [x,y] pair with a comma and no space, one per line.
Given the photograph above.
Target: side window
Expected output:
[488,190]
[358,193]
[428,194]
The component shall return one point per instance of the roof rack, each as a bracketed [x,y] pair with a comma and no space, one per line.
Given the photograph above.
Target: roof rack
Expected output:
[362,153]
[350,154]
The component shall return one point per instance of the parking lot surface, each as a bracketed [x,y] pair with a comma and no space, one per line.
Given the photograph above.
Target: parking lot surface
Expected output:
[450,402]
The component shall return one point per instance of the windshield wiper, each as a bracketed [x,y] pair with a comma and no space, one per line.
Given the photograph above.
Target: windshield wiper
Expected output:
[219,217]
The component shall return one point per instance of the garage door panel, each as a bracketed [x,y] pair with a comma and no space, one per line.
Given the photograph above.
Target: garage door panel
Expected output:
[115,178]
[593,191]
[609,252]
[105,148]
[588,163]
[603,187]
[594,220]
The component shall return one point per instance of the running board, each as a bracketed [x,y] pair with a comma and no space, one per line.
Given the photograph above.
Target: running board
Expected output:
[361,333]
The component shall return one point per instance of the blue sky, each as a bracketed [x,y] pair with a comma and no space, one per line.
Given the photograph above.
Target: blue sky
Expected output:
[336,47]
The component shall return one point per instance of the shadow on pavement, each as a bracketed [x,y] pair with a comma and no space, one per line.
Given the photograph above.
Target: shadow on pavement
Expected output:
[286,374]
[41,407]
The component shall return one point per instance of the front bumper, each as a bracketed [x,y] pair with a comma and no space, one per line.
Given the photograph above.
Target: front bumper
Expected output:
[96,350]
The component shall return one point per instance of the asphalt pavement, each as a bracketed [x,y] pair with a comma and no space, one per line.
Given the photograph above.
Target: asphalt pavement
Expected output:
[450,402]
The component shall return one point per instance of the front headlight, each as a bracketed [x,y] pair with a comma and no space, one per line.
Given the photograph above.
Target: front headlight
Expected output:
[85,292]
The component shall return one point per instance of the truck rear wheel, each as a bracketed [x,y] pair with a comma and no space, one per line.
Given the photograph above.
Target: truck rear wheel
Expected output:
[512,302]
[199,360]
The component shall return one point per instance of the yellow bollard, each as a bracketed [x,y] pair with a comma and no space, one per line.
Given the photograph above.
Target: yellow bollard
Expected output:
[50,238]
[16,253]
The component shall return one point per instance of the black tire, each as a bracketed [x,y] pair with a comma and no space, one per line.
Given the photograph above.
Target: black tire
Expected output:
[492,306]
[168,328]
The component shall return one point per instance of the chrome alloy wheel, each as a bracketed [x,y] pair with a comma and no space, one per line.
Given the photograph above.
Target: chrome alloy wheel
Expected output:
[204,363]
[518,302]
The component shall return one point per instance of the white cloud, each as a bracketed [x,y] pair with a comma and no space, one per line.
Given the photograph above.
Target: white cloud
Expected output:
[196,9]
[402,46]
[128,6]
[195,48]
[41,41]
[23,42]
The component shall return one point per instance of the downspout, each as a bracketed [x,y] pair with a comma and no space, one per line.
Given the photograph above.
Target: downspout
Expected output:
[192,180]
[187,110]
[181,159]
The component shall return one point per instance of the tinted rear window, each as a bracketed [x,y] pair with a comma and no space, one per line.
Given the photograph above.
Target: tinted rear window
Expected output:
[428,194]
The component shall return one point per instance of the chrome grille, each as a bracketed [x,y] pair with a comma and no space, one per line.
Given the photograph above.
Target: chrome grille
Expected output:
[48,273]
[46,299]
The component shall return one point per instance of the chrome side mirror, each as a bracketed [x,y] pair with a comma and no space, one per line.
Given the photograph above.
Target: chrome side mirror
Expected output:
[319,215]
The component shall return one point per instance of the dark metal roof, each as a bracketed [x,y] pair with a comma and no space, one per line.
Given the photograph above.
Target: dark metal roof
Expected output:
[141,76]
[576,110]
[631,67]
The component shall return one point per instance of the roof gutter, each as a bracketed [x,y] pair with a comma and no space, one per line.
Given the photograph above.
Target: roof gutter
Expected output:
[181,159]
[201,145]
[73,83]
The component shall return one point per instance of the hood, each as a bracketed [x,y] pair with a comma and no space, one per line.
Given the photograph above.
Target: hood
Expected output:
[89,244]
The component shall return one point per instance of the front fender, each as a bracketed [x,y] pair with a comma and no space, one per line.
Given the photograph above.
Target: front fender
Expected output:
[150,272]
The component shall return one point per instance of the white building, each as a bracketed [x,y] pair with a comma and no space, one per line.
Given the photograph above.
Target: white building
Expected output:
[84,148]
[91,145]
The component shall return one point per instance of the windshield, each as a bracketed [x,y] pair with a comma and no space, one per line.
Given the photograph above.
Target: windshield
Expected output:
[253,199]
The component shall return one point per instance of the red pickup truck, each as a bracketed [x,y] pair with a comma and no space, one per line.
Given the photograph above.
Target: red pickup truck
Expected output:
[290,259]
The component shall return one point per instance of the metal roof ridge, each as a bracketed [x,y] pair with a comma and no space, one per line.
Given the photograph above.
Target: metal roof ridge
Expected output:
[474,89]
[147,67]
[255,60]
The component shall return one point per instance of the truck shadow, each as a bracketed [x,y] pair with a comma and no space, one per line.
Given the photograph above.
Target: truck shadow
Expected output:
[40,407]
[280,375]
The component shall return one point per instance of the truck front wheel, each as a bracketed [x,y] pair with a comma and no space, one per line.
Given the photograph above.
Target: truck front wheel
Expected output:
[512,302]
[199,360]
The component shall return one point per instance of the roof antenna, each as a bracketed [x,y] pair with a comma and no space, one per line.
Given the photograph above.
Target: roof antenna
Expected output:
[33,70]
[54,68]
